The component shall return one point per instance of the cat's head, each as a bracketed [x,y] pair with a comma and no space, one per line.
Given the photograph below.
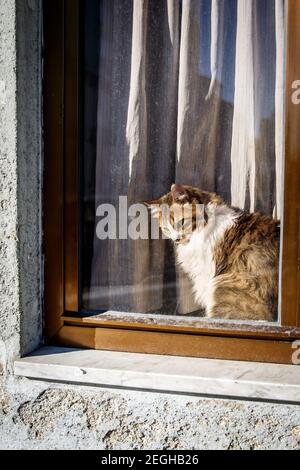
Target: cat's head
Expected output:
[182,211]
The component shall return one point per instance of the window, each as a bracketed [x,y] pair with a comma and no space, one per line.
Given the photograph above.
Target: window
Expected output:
[140,95]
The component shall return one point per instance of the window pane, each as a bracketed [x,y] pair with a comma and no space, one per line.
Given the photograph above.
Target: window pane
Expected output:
[192,93]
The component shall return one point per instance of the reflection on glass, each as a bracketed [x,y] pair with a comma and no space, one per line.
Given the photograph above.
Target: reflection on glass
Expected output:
[189,93]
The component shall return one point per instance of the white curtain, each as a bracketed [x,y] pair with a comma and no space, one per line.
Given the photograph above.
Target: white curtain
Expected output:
[189,91]
[257,136]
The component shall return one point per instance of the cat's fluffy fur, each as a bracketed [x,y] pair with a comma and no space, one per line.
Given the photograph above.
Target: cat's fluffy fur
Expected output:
[231,258]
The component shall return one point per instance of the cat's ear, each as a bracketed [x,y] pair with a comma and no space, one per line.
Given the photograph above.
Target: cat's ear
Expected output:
[178,192]
[153,207]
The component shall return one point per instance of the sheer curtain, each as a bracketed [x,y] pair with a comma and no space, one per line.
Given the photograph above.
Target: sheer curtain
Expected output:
[189,91]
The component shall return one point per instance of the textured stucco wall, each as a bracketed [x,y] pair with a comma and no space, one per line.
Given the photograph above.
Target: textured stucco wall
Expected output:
[20,178]
[9,297]
[36,416]
[41,415]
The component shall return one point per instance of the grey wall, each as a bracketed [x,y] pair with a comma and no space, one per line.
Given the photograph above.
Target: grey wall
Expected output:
[43,415]
[20,177]
[37,416]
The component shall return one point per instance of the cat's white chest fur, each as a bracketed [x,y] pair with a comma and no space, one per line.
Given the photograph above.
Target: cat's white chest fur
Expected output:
[196,257]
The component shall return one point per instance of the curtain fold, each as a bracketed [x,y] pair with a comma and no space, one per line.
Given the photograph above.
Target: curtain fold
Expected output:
[279,103]
[190,91]
[257,135]
[109,285]
[136,129]
[217,15]
[243,129]
[139,251]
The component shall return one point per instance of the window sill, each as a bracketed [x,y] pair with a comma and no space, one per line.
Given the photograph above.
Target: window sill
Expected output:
[171,374]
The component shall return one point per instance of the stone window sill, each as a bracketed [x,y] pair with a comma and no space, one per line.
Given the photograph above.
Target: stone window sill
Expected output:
[234,379]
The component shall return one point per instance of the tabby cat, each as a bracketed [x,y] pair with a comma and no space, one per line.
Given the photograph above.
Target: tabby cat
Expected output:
[231,256]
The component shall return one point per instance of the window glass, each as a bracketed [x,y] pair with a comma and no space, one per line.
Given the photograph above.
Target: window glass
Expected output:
[182,108]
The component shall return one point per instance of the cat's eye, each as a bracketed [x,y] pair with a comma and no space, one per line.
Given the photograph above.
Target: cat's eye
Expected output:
[204,101]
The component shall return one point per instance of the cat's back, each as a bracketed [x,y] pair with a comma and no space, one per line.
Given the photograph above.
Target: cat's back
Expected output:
[254,238]
[253,230]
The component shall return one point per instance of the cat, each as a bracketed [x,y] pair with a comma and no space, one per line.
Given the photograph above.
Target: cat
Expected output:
[231,256]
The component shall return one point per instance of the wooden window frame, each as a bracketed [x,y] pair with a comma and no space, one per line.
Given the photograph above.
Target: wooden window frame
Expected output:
[64,325]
